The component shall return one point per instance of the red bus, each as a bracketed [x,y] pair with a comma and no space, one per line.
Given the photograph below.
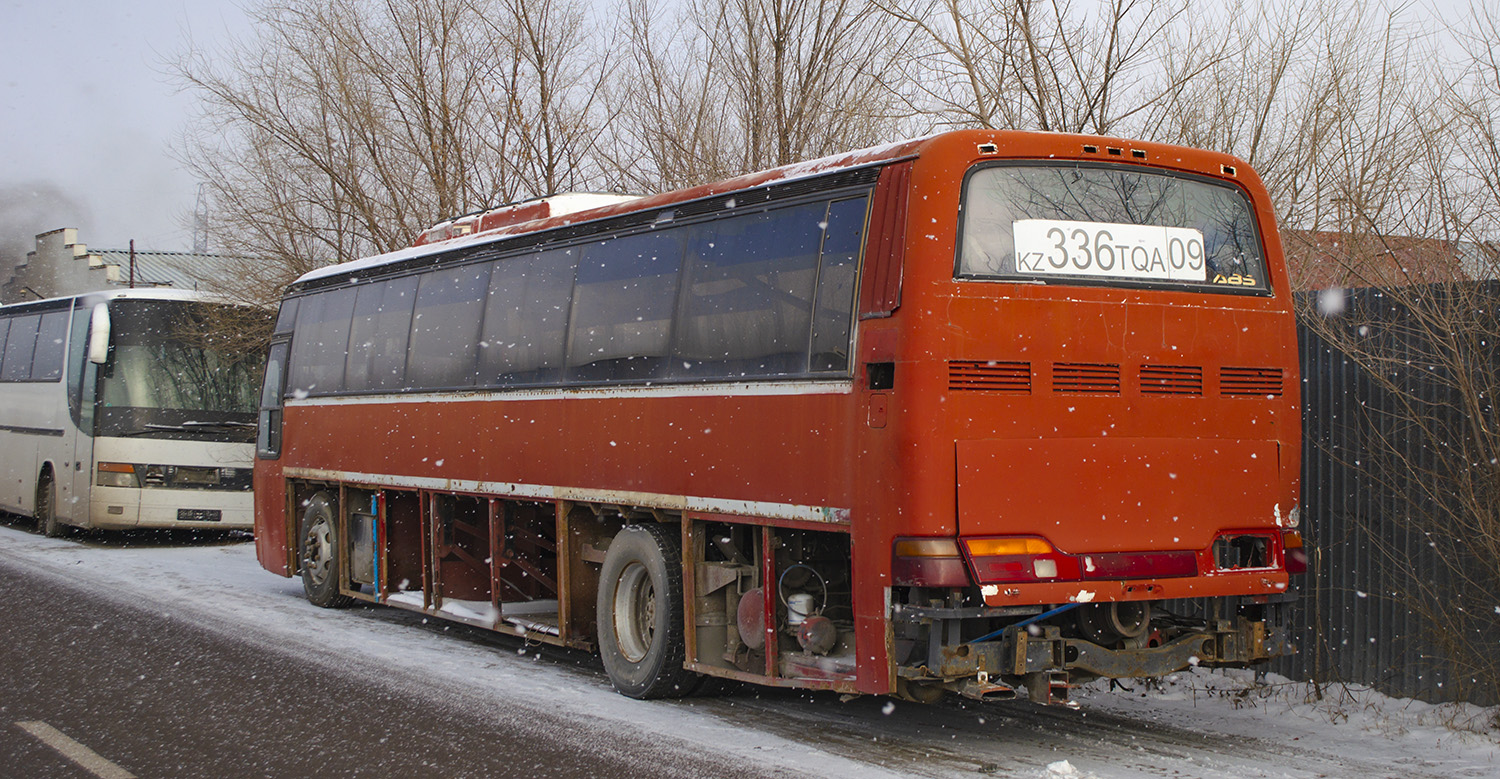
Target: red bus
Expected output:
[976,413]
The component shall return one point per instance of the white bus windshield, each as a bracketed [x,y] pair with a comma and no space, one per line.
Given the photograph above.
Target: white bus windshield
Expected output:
[168,377]
[1108,225]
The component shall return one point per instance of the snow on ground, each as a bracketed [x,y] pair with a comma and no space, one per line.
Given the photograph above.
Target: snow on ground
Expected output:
[1200,723]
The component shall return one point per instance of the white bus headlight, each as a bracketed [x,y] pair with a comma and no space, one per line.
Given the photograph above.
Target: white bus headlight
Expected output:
[116,475]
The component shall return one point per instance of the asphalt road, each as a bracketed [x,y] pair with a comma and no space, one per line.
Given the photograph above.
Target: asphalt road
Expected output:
[154,696]
[171,658]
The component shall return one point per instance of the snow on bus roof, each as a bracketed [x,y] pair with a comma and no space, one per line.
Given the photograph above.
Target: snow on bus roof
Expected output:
[800,170]
[138,293]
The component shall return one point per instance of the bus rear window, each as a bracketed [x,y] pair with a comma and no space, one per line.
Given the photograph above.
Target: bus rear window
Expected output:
[1108,225]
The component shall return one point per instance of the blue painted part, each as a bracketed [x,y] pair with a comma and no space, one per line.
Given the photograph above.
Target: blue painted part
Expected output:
[375,539]
[1023,623]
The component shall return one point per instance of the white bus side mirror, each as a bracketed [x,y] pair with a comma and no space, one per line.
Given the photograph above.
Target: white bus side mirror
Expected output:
[99,334]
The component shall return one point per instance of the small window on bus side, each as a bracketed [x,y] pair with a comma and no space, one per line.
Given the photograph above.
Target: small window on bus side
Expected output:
[4,330]
[445,328]
[321,341]
[51,343]
[286,316]
[20,344]
[268,434]
[748,295]
[79,366]
[622,307]
[526,319]
[837,283]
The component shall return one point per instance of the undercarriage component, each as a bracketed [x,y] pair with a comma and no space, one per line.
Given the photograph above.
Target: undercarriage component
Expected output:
[1045,661]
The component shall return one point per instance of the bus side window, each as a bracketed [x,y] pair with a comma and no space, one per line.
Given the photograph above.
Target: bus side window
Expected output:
[20,344]
[268,437]
[47,360]
[321,341]
[78,364]
[526,319]
[445,328]
[623,305]
[747,295]
[359,373]
[836,277]
[4,330]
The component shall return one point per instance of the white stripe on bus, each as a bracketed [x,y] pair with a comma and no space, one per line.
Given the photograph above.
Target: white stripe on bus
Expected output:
[748,508]
[743,389]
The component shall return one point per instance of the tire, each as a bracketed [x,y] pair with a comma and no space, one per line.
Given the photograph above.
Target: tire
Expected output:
[640,614]
[320,555]
[47,522]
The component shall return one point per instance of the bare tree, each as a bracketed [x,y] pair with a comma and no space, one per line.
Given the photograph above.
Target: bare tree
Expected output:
[1405,201]
[343,128]
[742,85]
[1050,64]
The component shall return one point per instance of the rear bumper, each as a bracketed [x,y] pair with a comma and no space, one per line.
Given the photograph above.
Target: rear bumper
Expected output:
[1041,659]
[1267,582]
[1018,653]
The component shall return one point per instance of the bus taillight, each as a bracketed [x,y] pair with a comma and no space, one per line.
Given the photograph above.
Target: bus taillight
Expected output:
[928,562]
[1033,559]
[1294,554]
[1019,559]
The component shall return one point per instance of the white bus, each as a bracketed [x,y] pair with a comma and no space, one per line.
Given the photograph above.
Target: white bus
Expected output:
[118,410]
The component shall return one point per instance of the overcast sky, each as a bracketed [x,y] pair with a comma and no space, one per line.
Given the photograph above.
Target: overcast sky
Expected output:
[87,115]
[86,110]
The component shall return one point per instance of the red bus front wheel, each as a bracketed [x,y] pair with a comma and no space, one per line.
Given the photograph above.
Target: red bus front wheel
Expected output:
[320,557]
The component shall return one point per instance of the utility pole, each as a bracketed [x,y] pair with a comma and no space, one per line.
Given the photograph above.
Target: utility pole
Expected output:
[132,263]
[200,223]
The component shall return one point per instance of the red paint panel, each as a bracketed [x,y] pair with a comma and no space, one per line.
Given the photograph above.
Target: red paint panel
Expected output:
[714,447]
[886,247]
[270,517]
[1116,495]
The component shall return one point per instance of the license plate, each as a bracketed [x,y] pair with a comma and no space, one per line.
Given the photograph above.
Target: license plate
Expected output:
[199,515]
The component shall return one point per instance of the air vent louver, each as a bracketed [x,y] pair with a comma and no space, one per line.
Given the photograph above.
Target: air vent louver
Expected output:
[1264,382]
[1086,378]
[989,376]
[1171,380]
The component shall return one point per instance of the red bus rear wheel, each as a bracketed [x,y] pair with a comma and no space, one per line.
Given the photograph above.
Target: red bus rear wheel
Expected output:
[640,613]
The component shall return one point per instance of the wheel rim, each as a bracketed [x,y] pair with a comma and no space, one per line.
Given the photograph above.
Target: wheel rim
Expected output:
[635,612]
[317,550]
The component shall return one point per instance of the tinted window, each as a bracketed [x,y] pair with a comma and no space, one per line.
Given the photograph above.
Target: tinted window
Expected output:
[526,319]
[445,327]
[268,438]
[286,316]
[367,300]
[322,339]
[378,336]
[622,307]
[4,329]
[748,294]
[78,367]
[836,285]
[19,346]
[1077,223]
[51,343]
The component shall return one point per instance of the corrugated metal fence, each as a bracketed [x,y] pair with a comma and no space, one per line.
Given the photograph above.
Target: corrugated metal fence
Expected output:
[1378,602]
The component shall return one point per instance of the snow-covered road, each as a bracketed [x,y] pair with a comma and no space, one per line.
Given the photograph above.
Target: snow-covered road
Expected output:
[1198,725]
